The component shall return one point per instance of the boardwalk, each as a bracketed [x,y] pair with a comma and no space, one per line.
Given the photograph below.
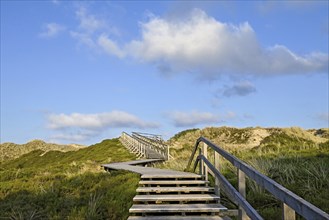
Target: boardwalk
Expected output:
[148,172]
[169,194]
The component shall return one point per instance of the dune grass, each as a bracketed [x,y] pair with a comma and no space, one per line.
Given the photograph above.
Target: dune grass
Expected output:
[299,164]
[68,185]
[72,185]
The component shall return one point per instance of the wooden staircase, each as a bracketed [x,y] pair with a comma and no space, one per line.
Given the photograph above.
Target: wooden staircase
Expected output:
[175,197]
[168,194]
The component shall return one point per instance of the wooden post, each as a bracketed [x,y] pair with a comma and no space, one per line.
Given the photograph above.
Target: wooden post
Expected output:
[287,212]
[217,166]
[205,154]
[200,163]
[140,148]
[242,191]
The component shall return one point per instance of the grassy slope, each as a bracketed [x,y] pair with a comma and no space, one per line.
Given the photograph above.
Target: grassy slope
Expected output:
[71,185]
[68,185]
[295,158]
[11,151]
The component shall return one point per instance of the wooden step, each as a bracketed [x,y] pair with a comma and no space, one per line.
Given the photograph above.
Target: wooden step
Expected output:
[164,175]
[173,189]
[179,197]
[178,217]
[177,208]
[172,182]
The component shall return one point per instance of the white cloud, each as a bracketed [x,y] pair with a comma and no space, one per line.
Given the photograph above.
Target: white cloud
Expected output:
[190,119]
[92,31]
[239,89]
[51,30]
[83,38]
[88,28]
[89,22]
[208,47]
[110,47]
[197,43]
[114,119]
[77,127]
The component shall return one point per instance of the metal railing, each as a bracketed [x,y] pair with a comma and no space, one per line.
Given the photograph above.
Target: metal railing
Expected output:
[291,203]
[145,145]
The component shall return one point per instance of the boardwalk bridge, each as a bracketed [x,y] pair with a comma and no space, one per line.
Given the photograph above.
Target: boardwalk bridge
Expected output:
[168,194]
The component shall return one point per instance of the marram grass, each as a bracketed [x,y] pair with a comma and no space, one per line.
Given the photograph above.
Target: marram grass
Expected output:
[296,158]
[71,185]
[67,185]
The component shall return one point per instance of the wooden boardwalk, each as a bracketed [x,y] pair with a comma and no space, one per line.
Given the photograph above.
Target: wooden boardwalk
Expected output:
[169,194]
[148,172]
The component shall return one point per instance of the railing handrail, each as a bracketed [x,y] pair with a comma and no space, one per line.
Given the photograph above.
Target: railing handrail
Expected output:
[156,136]
[149,144]
[159,147]
[149,140]
[126,134]
[233,193]
[301,206]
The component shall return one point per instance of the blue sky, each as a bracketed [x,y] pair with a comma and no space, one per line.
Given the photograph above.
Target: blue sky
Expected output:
[80,72]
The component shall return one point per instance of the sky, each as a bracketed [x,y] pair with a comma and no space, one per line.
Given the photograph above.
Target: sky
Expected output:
[80,72]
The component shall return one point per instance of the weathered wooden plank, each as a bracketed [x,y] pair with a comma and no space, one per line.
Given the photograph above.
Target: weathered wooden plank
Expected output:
[173,208]
[174,189]
[149,172]
[233,194]
[242,191]
[170,175]
[205,217]
[172,197]
[217,166]
[301,206]
[172,182]
[288,213]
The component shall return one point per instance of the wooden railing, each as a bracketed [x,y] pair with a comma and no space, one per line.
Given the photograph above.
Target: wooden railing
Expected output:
[145,145]
[291,203]
[154,142]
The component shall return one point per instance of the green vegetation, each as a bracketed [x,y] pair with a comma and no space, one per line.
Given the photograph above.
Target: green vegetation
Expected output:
[48,184]
[67,185]
[11,151]
[295,158]
[183,133]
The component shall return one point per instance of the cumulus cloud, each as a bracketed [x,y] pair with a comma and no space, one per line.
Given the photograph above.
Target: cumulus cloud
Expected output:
[90,26]
[208,47]
[110,46]
[89,22]
[114,119]
[83,38]
[239,89]
[77,127]
[194,118]
[199,44]
[51,30]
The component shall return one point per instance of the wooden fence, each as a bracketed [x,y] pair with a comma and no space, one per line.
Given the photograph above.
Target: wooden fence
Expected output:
[291,203]
[145,145]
